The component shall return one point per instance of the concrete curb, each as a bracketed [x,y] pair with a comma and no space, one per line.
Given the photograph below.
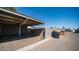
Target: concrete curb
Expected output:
[26,48]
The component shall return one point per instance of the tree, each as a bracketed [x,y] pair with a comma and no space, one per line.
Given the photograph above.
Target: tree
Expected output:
[63,28]
[10,8]
[69,29]
[77,30]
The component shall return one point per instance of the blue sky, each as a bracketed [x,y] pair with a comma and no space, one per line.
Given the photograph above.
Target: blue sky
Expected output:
[53,16]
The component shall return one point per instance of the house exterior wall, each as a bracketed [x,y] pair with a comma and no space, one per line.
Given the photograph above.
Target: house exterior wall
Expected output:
[0,31]
[24,30]
[0,28]
[8,29]
[13,29]
[8,32]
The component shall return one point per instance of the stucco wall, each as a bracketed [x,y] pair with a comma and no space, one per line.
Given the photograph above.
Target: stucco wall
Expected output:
[47,33]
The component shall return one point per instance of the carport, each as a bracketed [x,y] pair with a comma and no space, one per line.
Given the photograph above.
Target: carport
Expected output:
[12,23]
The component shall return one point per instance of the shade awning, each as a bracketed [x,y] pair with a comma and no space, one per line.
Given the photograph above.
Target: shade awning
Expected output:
[8,17]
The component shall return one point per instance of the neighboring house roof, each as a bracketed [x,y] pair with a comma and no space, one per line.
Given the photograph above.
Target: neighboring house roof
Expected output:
[17,18]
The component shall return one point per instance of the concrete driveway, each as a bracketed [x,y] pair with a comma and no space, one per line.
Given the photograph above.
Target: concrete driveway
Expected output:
[17,44]
[70,42]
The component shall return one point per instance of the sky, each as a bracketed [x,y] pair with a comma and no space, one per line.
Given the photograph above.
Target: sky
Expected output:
[53,16]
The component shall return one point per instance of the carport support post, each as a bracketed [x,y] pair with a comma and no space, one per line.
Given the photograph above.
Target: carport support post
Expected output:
[21,25]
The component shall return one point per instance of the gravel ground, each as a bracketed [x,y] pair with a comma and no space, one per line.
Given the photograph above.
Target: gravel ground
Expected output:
[69,42]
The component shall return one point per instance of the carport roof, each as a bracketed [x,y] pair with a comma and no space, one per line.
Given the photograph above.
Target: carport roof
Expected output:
[17,18]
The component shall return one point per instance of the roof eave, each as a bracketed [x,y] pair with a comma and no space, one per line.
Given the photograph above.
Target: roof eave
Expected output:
[21,15]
